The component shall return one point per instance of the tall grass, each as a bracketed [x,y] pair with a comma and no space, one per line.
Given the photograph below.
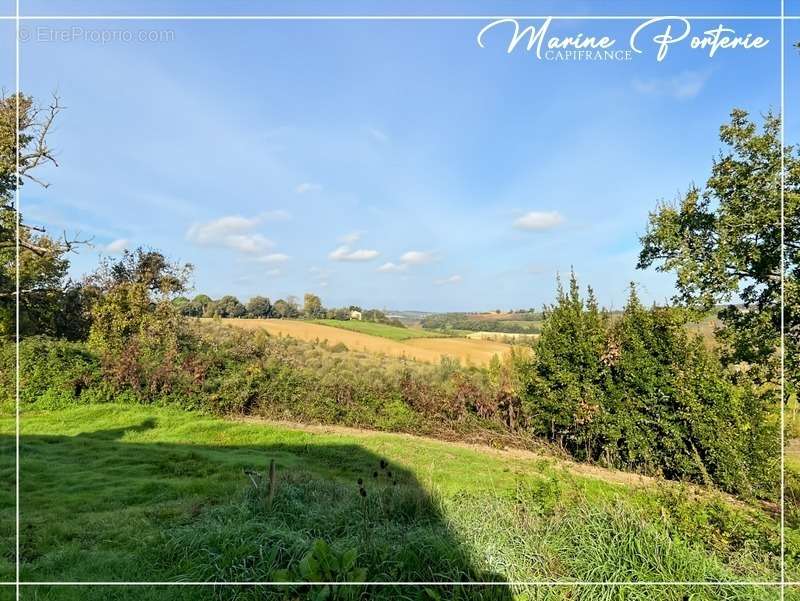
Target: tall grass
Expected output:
[141,493]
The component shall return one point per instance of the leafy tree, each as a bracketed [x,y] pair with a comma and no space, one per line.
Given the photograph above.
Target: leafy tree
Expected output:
[202,300]
[49,302]
[199,306]
[259,307]
[724,244]
[563,394]
[136,329]
[192,309]
[229,306]
[312,306]
[146,267]
[134,294]
[671,408]
[294,306]
[281,309]
[340,313]
[210,309]
[186,307]
[641,393]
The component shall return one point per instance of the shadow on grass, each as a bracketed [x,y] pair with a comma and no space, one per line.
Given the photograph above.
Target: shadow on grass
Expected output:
[531,593]
[96,507]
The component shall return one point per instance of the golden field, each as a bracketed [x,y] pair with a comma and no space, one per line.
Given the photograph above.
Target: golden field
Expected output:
[429,350]
[501,336]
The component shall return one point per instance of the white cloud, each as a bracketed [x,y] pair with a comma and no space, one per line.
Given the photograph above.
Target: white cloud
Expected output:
[539,220]
[232,231]
[117,246]
[350,238]
[686,84]
[273,258]
[273,273]
[392,267]
[248,243]
[453,279]
[343,253]
[416,257]
[307,187]
[407,259]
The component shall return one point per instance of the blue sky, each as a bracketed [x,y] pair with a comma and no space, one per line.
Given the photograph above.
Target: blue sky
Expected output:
[386,164]
[561,7]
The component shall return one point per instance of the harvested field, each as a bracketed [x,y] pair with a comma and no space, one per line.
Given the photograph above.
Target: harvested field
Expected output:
[500,336]
[429,350]
[469,351]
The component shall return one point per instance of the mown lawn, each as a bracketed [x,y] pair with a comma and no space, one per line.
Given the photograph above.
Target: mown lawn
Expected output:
[379,329]
[132,493]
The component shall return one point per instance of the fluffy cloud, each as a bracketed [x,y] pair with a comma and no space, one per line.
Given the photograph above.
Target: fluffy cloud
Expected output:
[453,279]
[117,246]
[407,259]
[392,267]
[344,253]
[686,84]
[233,231]
[539,220]
[307,187]
[416,257]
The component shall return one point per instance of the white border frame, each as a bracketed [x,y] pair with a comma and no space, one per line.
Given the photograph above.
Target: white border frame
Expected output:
[18,18]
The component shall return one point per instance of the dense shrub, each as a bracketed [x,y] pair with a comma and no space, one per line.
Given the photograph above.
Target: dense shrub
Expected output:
[52,372]
[564,390]
[229,372]
[643,394]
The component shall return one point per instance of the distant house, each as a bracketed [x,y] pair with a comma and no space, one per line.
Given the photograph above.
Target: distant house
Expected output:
[355,315]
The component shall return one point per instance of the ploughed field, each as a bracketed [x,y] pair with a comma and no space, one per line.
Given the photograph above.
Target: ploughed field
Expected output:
[423,348]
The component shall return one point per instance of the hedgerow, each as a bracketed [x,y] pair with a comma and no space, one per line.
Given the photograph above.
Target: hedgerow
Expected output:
[642,394]
[637,393]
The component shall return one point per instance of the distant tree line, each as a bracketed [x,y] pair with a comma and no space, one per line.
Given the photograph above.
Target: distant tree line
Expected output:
[261,307]
[463,321]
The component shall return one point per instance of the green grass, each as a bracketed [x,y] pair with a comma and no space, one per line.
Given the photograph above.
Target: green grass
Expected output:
[529,324]
[378,329]
[133,493]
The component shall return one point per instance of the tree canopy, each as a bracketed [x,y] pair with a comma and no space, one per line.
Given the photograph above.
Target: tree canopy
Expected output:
[49,302]
[723,242]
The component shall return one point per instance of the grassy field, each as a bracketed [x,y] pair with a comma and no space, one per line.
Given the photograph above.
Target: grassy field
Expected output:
[127,493]
[429,350]
[377,329]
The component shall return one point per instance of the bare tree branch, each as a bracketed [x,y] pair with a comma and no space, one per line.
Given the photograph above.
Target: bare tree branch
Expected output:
[41,152]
